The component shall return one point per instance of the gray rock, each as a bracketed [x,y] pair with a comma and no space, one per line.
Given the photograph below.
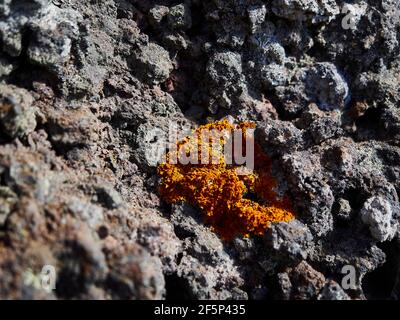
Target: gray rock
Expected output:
[42,16]
[256,16]
[326,86]
[274,75]
[157,13]
[294,98]
[137,275]
[206,268]
[6,67]
[17,115]
[344,210]
[225,78]
[82,258]
[109,196]
[179,16]
[7,200]
[152,63]
[73,128]
[265,35]
[88,212]
[157,235]
[332,291]
[301,282]
[223,67]
[280,135]
[292,239]
[306,10]
[304,172]
[377,214]
[275,53]
[325,128]
[49,49]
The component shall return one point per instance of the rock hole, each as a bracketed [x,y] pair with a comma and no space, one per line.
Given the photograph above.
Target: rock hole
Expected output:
[381,284]
[175,288]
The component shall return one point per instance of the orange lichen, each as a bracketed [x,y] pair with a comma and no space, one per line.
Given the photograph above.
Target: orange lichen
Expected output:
[219,190]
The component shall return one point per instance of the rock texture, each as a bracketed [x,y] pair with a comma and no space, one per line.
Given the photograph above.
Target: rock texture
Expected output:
[87,88]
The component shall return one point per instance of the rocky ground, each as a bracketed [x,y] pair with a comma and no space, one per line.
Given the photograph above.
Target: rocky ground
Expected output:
[84,86]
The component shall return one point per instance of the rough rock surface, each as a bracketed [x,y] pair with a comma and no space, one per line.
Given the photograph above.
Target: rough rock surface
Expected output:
[87,88]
